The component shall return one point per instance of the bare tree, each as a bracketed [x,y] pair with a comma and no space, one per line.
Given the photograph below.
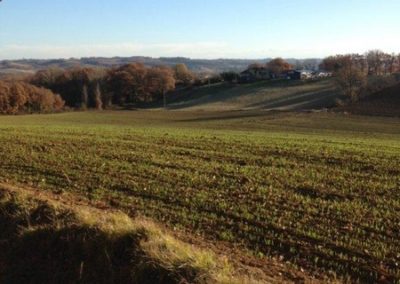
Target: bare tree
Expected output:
[398,63]
[352,80]
[391,63]
[337,62]
[375,59]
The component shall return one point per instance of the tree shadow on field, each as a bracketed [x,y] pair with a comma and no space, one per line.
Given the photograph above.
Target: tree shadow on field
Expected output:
[227,92]
[301,100]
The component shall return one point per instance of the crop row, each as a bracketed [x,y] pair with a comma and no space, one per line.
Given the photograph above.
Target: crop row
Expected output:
[322,202]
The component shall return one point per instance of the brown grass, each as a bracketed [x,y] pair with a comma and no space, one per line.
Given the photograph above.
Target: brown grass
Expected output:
[46,241]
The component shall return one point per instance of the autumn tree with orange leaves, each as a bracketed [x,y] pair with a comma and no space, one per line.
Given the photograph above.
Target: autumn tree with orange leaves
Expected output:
[21,97]
[183,75]
[278,65]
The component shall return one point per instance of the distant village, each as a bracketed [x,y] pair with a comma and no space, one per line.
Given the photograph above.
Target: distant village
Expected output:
[258,73]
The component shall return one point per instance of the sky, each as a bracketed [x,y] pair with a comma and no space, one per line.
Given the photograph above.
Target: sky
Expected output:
[197,28]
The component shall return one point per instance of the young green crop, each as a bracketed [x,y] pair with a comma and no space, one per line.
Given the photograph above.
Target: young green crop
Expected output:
[322,191]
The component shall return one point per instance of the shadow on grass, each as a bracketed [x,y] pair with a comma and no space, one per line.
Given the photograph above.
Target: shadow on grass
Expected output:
[42,245]
[301,100]
[225,92]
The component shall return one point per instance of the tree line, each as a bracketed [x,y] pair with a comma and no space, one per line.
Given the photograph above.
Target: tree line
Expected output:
[21,97]
[135,84]
[361,74]
[373,62]
[356,75]
[81,87]
[128,84]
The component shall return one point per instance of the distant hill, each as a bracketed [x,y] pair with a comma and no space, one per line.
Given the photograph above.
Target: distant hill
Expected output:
[196,65]
[384,103]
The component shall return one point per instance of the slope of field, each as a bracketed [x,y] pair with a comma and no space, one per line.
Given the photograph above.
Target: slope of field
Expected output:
[320,190]
[47,238]
[275,95]
[385,102]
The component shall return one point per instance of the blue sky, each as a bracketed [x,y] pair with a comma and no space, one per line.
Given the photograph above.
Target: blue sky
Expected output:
[196,28]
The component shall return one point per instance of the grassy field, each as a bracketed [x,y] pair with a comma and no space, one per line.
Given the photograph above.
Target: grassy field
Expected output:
[277,95]
[320,190]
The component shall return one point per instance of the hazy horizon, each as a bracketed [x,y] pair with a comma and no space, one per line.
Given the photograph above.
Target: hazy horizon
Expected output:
[158,57]
[196,29]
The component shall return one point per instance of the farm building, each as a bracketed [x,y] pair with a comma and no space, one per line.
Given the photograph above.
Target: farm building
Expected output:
[257,73]
[322,74]
[298,74]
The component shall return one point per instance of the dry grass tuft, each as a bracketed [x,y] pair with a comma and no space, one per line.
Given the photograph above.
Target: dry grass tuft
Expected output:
[45,241]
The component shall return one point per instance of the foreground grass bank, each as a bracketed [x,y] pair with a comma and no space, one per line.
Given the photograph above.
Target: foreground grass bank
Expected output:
[319,190]
[45,240]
